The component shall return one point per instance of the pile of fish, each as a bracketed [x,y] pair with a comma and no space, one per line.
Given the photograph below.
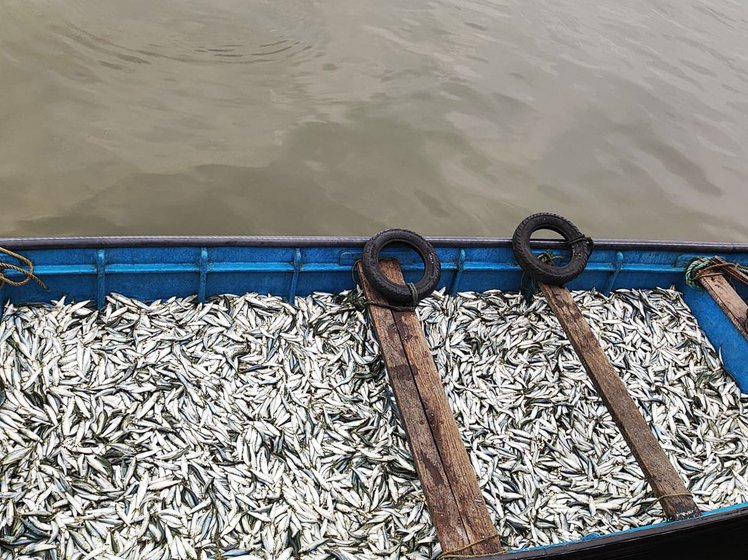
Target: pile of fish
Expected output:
[247,428]
[551,462]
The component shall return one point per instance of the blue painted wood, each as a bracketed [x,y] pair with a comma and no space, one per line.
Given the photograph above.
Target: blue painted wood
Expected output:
[100,277]
[203,274]
[458,272]
[721,333]
[297,263]
[610,285]
[178,270]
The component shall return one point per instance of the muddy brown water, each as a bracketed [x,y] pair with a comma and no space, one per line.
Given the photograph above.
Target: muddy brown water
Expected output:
[310,117]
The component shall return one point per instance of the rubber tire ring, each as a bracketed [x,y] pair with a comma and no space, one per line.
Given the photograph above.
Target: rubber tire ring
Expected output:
[546,272]
[400,293]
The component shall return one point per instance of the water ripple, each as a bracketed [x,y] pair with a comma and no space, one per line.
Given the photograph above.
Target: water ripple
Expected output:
[311,116]
[203,33]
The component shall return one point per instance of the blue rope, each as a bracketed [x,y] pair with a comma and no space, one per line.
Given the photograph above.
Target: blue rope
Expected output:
[738,272]
[693,267]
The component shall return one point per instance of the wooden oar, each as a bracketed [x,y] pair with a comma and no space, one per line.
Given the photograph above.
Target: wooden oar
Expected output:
[728,299]
[676,500]
[450,485]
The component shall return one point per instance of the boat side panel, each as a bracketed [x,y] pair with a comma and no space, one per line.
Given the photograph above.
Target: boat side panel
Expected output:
[151,272]
[158,272]
[721,333]
[719,534]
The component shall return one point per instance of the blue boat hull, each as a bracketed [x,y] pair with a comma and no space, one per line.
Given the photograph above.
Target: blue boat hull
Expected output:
[150,268]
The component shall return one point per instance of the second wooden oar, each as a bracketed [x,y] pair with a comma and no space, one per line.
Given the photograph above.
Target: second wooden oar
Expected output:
[676,500]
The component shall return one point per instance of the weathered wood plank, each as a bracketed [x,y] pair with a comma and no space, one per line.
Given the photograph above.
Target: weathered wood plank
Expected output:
[450,486]
[445,513]
[728,299]
[676,500]
[457,466]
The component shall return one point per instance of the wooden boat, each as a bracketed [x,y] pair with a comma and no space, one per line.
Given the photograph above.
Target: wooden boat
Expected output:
[151,268]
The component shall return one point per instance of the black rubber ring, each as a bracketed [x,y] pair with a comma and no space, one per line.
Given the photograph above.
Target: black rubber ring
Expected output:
[401,293]
[581,247]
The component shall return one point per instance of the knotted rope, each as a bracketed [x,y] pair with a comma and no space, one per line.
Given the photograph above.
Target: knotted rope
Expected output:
[705,267]
[28,274]
[456,552]
[368,302]
[531,287]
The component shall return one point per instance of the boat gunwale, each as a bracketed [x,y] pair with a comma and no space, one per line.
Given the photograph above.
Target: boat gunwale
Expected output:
[609,545]
[166,241]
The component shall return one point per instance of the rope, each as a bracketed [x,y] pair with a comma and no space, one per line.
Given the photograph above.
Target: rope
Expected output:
[368,302]
[548,257]
[704,267]
[685,494]
[28,274]
[413,294]
[688,494]
[354,272]
[577,239]
[455,553]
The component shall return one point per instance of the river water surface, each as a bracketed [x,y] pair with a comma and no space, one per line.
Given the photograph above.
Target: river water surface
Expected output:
[339,117]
